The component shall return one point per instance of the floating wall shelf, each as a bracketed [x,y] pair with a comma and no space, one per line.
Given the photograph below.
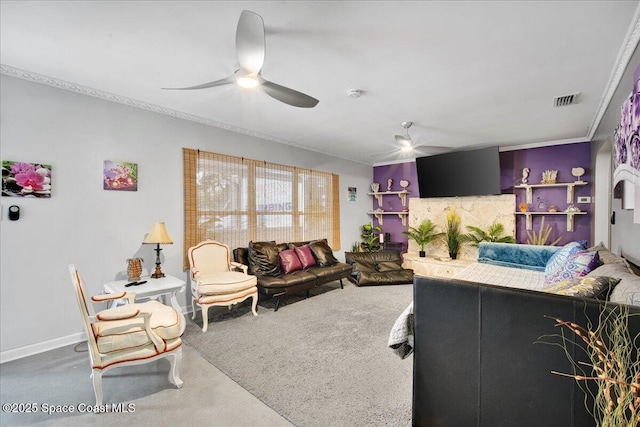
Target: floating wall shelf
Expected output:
[401,215]
[570,189]
[402,194]
[569,215]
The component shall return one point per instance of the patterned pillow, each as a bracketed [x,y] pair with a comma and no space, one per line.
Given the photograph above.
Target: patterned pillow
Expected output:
[305,255]
[577,265]
[588,286]
[289,261]
[562,255]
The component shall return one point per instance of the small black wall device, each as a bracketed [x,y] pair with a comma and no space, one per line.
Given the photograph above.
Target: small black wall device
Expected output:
[14,212]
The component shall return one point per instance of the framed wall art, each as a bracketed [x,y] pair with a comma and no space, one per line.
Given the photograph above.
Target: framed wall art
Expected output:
[21,179]
[120,176]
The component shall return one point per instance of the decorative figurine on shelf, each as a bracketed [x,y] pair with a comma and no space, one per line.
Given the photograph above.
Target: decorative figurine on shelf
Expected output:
[375,187]
[404,184]
[578,172]
[389,184]
[542,207]
[525,175]
[553,208]
[571,209]
[549,177]
[523,207]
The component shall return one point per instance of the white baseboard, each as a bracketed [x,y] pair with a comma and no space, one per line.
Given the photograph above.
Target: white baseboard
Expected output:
[41,347]
[30,350]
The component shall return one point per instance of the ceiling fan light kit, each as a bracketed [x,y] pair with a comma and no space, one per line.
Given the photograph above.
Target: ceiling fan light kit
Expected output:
[247,82]
[250,51]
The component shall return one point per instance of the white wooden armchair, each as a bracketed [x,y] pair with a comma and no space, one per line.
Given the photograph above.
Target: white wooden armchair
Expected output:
[214,281]
[130,334]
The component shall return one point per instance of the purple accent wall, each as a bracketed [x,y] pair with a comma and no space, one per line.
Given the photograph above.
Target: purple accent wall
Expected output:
[381,174]
[559,157]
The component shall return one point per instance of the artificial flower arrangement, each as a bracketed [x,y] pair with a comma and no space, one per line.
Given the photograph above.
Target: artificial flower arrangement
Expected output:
[453,236]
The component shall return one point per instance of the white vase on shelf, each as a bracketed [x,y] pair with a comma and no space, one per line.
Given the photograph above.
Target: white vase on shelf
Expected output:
[375,187]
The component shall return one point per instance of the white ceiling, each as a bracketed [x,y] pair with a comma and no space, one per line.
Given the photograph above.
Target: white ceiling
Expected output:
[468,73]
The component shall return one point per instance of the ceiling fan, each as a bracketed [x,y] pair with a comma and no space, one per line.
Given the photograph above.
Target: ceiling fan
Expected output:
[407,144]
[250,51]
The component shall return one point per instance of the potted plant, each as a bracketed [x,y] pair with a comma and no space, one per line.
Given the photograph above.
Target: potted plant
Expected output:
[493,234]
[424,234]
[369,235]
[453,236]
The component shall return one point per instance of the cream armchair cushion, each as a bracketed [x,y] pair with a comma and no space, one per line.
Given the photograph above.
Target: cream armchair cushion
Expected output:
[214,281]
[118,334]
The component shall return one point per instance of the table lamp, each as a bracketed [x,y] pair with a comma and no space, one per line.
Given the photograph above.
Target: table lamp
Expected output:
[158,236]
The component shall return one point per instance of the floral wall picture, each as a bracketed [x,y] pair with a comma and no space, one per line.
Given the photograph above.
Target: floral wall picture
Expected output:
[120,176]
[20,179]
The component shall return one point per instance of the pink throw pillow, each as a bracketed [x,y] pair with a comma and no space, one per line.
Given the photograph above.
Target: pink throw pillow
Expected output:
[289,261]
[305,255]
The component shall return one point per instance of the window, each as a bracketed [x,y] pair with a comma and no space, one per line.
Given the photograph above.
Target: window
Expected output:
[235,200]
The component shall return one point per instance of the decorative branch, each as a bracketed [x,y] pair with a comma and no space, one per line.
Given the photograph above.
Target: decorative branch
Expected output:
[614,360]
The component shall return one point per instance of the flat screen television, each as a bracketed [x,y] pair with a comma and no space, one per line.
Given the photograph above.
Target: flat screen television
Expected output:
[460,173]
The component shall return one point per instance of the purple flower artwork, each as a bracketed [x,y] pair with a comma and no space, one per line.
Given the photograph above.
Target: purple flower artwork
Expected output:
[120,176]
[626,137]
[20,179]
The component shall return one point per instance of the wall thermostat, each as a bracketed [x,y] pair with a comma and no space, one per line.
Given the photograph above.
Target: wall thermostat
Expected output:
[14,212]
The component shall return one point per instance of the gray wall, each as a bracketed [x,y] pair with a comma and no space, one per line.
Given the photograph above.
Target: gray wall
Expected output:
[624,234]
[98,230]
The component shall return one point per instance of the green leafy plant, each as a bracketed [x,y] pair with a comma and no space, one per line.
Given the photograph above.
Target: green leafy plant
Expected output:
[424,234]
[453,237]
[355,247]
[369,234]
[540,237]
[495,233]
[613,364]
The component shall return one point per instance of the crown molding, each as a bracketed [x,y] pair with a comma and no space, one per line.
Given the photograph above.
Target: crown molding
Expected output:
[624,57]
[107,96]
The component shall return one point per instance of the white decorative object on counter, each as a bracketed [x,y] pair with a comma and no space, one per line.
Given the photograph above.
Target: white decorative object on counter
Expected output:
[577,172]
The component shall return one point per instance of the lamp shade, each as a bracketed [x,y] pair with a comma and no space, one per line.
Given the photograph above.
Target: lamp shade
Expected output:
[158,234]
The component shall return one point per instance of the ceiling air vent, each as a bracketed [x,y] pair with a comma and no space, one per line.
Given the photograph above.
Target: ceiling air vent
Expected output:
[565,100]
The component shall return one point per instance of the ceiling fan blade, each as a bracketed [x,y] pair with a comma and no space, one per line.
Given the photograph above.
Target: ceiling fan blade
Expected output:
[250,44]
[221,82]
[404,139]
[288,96]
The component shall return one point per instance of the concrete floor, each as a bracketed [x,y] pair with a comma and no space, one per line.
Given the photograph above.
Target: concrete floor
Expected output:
[59,378]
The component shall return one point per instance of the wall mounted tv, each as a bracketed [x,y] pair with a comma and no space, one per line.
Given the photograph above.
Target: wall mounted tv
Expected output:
[460,173]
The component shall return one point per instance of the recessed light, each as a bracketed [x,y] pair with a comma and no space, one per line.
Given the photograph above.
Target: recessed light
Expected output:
[354,93]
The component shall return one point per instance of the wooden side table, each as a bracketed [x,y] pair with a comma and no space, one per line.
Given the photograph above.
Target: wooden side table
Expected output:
[154,289]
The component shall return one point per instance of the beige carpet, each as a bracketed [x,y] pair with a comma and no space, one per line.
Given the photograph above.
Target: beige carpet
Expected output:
[321,361]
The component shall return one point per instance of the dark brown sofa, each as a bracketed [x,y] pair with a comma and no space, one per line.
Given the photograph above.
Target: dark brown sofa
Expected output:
[263,262]
[378,268]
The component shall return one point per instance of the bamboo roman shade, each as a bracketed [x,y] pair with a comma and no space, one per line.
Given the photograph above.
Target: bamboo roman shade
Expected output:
[236,200]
